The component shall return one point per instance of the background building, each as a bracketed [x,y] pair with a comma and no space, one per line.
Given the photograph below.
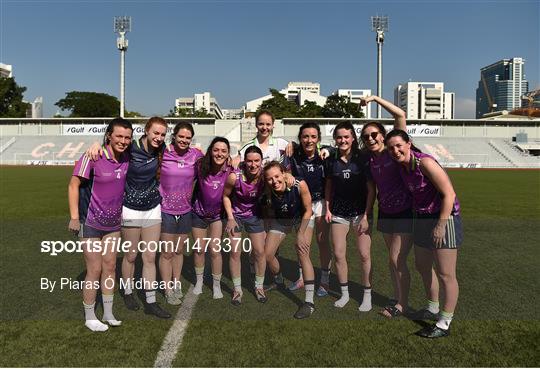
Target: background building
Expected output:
[6,70]
[233,113]
[37,108]
[198,102]
[501,86]
[425,100]
[354,96]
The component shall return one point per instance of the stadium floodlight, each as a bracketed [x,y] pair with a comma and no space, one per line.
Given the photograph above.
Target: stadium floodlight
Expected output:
[379,24]
[122,25]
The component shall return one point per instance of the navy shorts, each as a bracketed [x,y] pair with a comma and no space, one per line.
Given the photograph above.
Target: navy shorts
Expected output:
[202,223]
[91,232]
[284,226]
[252,224]
[401,222]
[423,229]
[176,224]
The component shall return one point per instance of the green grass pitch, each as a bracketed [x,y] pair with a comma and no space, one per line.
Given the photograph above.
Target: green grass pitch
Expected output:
[496,323]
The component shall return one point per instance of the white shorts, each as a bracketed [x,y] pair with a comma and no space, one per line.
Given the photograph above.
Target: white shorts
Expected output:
[319,208]
[351,220]
[141,218]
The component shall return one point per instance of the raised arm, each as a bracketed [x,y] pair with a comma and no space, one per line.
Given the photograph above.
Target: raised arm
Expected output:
[400,118]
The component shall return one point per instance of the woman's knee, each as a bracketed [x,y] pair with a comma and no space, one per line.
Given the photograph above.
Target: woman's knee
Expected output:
[93,271]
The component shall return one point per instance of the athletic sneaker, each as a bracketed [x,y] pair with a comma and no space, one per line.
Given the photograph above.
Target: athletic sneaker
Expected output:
[305,310]
[131,303]
[178,293]
[424,314]
[172,298]
[260,295]
[322,291]
[236,298]
[275,286]
[297,285]
[155,309]
[433,332]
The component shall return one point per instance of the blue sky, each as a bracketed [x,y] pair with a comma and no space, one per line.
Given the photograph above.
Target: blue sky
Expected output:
[239,49]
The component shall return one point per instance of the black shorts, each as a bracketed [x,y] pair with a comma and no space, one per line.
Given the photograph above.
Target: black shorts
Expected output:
[176,224]
[252,224]
[423,229]
[401,222]
[202,223]
[90,232]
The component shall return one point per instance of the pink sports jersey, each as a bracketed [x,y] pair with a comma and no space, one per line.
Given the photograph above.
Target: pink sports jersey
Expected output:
[426,198]
[100,199]
[176,180]
[392,195]
[209,195]
[245,200]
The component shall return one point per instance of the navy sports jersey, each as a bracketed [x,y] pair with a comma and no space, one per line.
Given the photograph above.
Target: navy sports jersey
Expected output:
[142,186]
[288,208]
[310,170]
[349,184]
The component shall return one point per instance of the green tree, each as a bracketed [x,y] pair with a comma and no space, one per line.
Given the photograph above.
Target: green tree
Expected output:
[279,105]
[11,99]
[202,113]
[341,107]
[310,109]
[89,104]
[132,114]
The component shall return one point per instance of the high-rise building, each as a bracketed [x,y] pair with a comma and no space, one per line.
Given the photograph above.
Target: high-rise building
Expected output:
[198,102]
[501,86]
[6,70]
[37,107]
[425,100]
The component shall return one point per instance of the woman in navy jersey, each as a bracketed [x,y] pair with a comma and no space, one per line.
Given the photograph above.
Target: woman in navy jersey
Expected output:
[291,206]
[241,197]
[306,164]
[177,175]
[349,196]
[212,172]
[95,196]
[437,224]
[394,203]
[141,213]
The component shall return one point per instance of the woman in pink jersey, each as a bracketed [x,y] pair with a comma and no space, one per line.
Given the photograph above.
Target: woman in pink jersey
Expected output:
[95,194]
[212,172]
[437,222]
[241,197]
[394,204]
[177,175]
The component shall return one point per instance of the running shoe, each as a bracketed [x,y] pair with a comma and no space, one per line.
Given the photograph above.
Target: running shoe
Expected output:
[236,298]
[305,310]
[131,303]
[260,295]
[178,293]
[156,310]
[433,332]
[172,298]
[322,291]
[297,285]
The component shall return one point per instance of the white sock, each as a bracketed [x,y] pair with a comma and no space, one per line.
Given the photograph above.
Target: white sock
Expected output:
[259,281]
[107,311]
[237,282]
[300,275]
[366,301]
[216,287]
[199,273]
[433,306]
[344,296]
[310,289]
[325,277]
[91,321]
[444,320]
[128,289]
[150,296]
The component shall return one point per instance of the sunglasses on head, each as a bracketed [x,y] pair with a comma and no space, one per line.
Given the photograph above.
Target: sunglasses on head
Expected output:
[373,135]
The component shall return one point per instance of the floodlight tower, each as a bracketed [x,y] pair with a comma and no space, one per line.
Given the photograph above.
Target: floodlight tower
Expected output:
[122,25]
[379,24]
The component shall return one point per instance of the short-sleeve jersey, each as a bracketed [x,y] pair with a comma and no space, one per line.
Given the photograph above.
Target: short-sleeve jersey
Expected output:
[310,170]
[426,197]
[349,184]
[208,195]
[274,151]
[246,196]
[176,180]
[142,186]
[100,198]
[392,194]
[287,207]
